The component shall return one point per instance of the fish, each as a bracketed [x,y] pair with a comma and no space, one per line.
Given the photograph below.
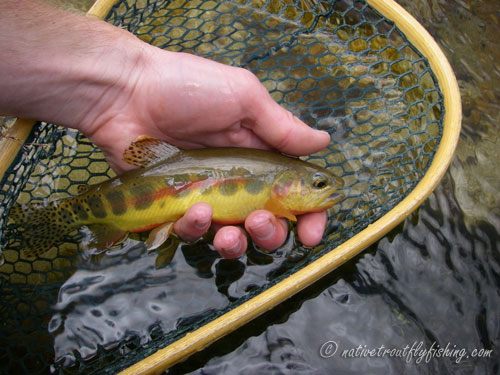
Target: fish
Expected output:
[234,181]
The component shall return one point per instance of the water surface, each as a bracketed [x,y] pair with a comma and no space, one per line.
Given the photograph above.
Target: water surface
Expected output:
[434,281]
[431,283]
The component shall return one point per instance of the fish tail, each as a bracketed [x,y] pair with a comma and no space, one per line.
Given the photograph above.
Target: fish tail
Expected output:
[41,226]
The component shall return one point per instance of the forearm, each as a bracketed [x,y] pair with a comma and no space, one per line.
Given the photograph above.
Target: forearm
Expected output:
[61,67]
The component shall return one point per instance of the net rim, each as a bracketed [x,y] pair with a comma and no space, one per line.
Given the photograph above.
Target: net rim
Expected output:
[223,325]
[13,141]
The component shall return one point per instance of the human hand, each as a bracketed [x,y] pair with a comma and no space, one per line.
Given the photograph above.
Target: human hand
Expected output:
[113,87]
[195,103]
[267,231]
[192,102]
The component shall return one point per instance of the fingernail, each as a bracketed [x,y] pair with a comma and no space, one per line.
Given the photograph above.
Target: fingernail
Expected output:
[232,251]
[263,231]
[324,134]
[201,224]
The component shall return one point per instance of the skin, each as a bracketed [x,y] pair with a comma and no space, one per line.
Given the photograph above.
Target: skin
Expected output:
[86,74]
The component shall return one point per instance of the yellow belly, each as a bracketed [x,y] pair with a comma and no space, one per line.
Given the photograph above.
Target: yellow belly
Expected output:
[230,205]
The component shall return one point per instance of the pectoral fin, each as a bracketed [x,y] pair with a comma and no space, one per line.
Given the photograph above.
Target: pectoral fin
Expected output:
[274,206]
[159,235]
[103,236]
[166,254]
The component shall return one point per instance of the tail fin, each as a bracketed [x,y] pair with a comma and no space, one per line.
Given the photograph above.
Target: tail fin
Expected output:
[41,226]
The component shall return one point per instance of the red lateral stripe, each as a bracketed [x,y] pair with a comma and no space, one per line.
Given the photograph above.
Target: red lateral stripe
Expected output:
[171,191]
[228,222]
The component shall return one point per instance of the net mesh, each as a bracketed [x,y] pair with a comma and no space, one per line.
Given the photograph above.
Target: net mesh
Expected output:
[338,65]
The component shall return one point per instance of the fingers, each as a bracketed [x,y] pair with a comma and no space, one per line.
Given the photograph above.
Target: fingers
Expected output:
[266,230]
[287,133]
[310,228]
[195,222]
[230,242]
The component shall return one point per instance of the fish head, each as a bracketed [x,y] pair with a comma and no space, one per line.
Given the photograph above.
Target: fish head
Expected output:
[307,189]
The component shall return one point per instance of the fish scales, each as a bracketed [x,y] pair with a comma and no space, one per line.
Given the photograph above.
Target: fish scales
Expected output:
[158,199]
[235,182]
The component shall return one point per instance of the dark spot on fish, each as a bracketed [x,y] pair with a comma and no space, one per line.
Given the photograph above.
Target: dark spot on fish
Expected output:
[143,196]
[117,200]
[228,188]
[66,216]
[181,194]
[206,190]
[254,186]
[239,172]
[96,206]
[80,211]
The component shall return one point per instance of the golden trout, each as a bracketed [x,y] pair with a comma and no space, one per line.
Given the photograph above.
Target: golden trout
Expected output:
[234,181]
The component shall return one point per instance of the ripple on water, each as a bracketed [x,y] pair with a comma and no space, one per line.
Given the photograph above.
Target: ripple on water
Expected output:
[102,306]
[433,282]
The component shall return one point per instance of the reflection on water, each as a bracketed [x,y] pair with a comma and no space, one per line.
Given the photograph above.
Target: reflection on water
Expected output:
[469,33]
[433,280]
[126,293]
[96,314]
[415,288]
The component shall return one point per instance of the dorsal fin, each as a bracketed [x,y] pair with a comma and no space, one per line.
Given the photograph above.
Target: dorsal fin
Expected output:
[146,151]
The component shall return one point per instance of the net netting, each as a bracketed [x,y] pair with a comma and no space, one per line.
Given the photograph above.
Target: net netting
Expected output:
[338,65]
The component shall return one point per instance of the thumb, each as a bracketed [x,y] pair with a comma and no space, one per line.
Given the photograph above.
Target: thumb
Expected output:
[282,130]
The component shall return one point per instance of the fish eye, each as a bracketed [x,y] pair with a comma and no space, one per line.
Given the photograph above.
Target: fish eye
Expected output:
[319,181]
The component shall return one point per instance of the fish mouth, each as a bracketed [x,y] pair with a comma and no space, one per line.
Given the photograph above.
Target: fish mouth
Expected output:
[334,198]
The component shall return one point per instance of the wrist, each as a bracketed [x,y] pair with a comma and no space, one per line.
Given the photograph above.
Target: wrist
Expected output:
[62,67]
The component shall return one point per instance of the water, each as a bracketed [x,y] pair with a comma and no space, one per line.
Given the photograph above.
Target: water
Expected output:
[415,286]
[431,283]
[130,293]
